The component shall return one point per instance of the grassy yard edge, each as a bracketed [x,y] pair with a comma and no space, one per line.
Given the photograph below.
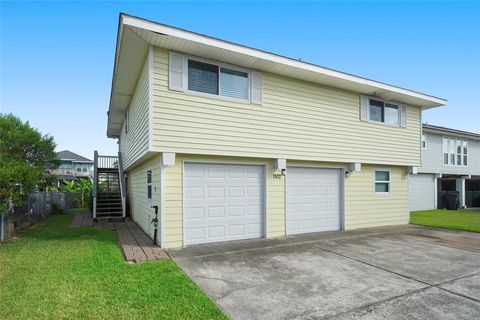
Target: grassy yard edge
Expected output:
[465,220]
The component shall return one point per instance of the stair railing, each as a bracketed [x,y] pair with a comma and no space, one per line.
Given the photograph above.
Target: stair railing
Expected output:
[95,183]
[121,178]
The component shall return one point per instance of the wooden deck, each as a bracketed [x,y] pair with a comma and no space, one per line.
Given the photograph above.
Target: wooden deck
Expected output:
[136,245]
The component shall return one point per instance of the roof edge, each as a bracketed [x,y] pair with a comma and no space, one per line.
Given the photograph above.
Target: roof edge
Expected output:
[434,128]
[198,37]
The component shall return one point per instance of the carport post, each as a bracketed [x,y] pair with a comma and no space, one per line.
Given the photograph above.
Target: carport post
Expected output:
[461,189]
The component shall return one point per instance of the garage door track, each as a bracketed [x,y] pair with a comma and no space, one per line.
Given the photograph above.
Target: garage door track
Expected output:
[402,272]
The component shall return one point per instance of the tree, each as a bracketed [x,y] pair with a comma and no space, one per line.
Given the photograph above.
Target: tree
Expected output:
[82,187]
[25,156]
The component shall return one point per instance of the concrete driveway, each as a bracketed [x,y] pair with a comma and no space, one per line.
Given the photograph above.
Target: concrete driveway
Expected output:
[402,272]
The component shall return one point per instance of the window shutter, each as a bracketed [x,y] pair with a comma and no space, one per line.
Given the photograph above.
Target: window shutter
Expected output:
[256,88]
[403,116]
[364,108]
[175,71]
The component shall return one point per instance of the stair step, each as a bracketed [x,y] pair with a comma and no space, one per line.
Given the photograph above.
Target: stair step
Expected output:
[109,214]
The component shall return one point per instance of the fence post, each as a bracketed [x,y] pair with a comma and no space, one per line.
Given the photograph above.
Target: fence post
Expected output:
[2,227]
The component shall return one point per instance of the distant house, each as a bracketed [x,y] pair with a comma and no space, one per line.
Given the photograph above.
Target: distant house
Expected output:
[450,163]
[72,166]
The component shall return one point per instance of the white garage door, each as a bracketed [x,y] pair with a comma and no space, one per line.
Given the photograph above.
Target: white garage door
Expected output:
[223,202]
[313,200]
[421,192]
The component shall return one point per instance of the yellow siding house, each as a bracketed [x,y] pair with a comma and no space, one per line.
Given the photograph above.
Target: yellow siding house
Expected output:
[237,143]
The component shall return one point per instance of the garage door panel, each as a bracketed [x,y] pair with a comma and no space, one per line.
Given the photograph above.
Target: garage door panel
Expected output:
[422,192]
[313,200]
[195,213]
[230,205]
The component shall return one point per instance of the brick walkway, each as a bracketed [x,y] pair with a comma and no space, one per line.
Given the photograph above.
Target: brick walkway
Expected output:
[81,220]
[136,245]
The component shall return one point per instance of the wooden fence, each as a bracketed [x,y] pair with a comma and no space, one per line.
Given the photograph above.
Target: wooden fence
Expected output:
[37,206]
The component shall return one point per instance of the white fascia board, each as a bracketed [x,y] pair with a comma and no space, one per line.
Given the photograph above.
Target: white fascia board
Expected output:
[113,133]
[187,35]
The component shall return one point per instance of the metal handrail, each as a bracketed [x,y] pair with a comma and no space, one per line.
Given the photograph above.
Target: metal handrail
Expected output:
[95,182]
[107,162]
[121,177]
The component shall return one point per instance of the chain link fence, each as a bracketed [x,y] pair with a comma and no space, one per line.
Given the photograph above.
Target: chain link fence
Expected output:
[39,205]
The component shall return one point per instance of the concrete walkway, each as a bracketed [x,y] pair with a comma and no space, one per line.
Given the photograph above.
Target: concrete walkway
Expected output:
[402,272]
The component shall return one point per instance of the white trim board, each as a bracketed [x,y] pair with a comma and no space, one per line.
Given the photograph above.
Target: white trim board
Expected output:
[213,42]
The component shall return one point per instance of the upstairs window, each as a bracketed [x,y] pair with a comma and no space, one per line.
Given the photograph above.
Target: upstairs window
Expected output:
[465,153]
[424,142]
[202,77]
[384,112]
[382,182]
[452,151]
[445,152]
[214,79]
[375,110]
[455,152]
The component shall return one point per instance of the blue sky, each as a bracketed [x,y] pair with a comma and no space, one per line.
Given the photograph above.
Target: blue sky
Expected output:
[57,57]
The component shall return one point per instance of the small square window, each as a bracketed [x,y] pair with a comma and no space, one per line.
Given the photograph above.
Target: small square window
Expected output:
[382,182]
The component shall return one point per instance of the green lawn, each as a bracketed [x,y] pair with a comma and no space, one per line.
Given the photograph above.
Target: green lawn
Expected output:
[56,272]
[467,220]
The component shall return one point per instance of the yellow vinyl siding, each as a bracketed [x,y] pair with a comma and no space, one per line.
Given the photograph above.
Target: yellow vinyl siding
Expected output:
[298,120]
[140,206]
[362,208]
[365,209]
[173,206]
[134,144]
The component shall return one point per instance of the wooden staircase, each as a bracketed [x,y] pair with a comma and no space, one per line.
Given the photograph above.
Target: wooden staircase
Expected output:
[108,188]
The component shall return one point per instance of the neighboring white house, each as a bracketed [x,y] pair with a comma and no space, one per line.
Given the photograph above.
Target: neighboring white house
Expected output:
[450,162]
[234,143]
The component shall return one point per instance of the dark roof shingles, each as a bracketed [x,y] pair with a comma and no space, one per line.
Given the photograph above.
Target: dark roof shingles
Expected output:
[65,154]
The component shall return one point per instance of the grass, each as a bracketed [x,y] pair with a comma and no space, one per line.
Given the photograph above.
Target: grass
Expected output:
[468,220]
[55,272]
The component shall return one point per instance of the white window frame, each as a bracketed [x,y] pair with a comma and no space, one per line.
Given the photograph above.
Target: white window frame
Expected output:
[219,65]
[445,149]
[389,182]
[149,184]
[383,122]
[455,154]
[424,140]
